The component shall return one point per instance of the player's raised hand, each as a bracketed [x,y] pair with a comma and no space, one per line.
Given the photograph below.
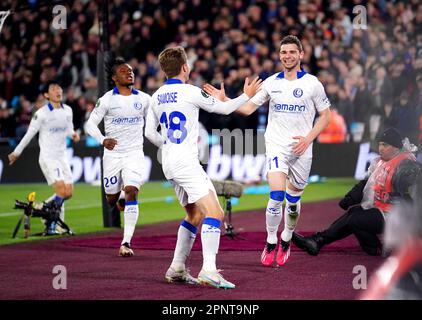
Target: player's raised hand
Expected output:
[109,143]
[214,92]
[301,145]
[12,158]
[251,88]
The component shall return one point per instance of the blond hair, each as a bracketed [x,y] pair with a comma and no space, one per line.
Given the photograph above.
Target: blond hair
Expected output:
[171,61]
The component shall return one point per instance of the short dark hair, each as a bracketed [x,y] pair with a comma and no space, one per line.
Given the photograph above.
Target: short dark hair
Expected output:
[117,62]
[48,84]
[171,61]
[291,39]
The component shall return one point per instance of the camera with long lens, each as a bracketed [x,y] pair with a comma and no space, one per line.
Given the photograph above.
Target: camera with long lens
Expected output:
[49,212]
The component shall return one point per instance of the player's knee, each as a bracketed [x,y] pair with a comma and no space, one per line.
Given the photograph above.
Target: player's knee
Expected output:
[131,193]
[277,198]
[221,215]
[68,193]
[215,212]
[60,190]
[61,194]
[196,219]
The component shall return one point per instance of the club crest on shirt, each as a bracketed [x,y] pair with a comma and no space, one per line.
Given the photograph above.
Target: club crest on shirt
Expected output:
[137,105]
[97,104]
[204,94]
[326,100]
[297,92]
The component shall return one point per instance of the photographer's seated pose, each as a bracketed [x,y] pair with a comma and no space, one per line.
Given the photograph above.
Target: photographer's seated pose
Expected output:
[389,179]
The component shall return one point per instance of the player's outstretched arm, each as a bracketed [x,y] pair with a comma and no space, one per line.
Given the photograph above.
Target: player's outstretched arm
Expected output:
[252,87]
[12,158]
[216,93]
[250,107]
[247,109]
[216,106]
[34,127]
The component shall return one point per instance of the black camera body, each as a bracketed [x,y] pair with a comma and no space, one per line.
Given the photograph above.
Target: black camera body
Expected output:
[49,212]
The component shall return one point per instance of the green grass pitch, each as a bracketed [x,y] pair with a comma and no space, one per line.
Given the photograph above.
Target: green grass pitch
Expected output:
[157,204]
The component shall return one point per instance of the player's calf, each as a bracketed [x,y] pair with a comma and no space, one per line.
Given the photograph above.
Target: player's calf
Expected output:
[291,213]
[112,199]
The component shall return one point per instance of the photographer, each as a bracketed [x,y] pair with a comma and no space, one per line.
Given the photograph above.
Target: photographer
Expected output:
[399,277]
[370,201]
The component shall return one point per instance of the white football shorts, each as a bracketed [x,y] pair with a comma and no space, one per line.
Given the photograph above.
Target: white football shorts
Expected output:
[191,183]
[55,170]
[296,168]
[119,172]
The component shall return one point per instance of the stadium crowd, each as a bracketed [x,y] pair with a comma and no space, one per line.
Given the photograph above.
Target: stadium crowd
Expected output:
[372,72]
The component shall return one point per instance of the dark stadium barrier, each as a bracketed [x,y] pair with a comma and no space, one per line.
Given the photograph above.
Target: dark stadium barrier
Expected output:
[330,160]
